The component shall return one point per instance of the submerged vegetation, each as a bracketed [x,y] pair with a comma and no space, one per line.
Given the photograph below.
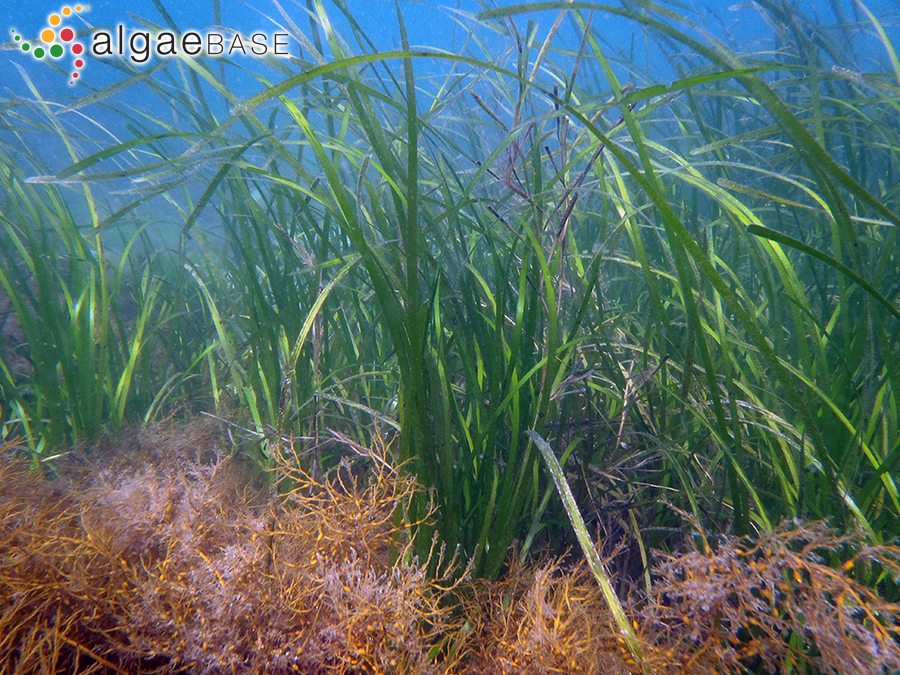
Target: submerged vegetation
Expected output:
[687,292]
[161,551]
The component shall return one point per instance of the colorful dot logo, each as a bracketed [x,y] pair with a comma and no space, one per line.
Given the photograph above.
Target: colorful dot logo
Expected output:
[54,40]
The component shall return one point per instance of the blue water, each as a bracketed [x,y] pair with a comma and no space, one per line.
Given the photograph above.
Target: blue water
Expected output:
[430,24]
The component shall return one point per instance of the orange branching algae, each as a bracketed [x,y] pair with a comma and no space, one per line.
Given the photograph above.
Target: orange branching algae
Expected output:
[778,602]
[544,620]
[162,553]
[163,556]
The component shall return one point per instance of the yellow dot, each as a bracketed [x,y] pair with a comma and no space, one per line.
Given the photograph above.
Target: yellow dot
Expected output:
[66,11]
[54,19]
[77,8]
[48,35]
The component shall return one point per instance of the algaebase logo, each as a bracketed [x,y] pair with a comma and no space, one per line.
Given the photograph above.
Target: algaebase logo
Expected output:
[139,46]
[56,39]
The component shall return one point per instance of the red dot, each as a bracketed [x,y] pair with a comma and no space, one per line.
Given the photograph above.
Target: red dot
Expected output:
[66,34]
[74,74]
[77,48]
[79,63]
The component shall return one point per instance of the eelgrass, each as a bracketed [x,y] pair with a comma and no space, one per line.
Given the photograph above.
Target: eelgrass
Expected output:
[688,288]
[589,549]
[89,320]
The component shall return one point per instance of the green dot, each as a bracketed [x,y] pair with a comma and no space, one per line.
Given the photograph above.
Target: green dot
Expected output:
[39,53]
[18,37]
[26,47]
[56,51]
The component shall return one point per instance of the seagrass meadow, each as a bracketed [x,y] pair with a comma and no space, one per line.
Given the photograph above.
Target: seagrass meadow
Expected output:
[543,355]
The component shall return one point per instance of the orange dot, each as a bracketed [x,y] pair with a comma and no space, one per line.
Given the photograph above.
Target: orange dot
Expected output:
[48,35]
[54,19]
[66,11]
